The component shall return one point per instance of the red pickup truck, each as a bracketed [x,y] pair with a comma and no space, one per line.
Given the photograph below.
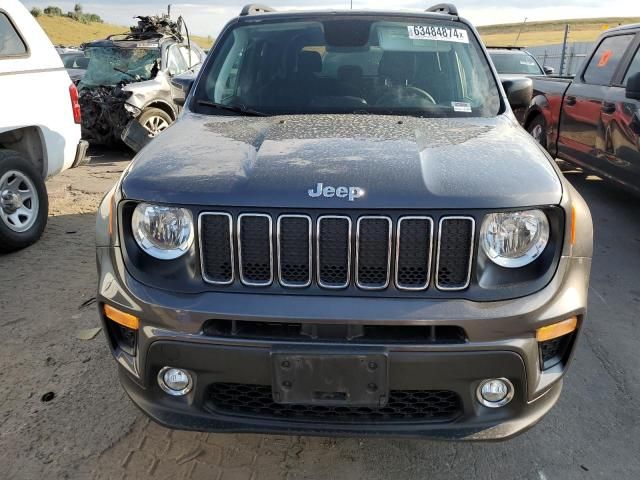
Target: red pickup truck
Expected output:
[593,120]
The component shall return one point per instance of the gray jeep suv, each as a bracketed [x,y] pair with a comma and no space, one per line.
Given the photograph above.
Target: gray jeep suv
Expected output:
[346,232]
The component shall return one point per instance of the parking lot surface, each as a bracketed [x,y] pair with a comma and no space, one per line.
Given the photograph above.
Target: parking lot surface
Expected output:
[64,415]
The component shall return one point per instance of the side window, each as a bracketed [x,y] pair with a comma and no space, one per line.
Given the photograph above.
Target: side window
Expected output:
[633,68]
[198,55]
[10,42]
[606,59]
[176,63]
[190,62]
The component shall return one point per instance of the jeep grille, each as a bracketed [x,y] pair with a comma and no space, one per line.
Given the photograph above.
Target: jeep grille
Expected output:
[336,251]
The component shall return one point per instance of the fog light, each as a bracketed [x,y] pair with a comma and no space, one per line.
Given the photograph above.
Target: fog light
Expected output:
[495,392]
[175,381]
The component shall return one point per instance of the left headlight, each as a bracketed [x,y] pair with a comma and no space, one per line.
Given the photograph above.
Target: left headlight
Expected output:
[514,239]
[163,232]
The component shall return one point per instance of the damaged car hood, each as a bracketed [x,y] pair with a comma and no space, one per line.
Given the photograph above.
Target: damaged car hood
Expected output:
[394,162]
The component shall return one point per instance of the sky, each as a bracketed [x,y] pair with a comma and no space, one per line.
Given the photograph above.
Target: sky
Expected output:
[207,17]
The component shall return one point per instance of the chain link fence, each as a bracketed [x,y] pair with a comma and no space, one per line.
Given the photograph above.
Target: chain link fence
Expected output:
[551,56]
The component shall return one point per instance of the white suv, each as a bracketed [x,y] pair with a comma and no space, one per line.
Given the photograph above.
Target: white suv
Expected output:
[39,125]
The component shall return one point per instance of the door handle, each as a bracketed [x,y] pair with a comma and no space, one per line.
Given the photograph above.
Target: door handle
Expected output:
[608,107]
[571,101]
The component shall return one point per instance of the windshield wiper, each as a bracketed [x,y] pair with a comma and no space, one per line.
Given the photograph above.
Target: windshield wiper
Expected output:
[233,108]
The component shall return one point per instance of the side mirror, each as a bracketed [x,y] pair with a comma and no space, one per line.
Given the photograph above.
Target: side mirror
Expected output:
[181,86]
[633,87]
[549,70]
[519,92]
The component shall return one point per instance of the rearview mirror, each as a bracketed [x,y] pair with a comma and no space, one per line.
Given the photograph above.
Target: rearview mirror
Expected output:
[549,70]
[519,92]
[633,87]
[181,86]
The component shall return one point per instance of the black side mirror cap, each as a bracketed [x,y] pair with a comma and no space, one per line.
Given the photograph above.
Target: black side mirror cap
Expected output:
[633,87]
[181,87]
[519,92]
[549,70]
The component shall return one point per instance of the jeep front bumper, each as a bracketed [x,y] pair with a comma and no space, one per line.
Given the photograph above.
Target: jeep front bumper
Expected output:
[500,342]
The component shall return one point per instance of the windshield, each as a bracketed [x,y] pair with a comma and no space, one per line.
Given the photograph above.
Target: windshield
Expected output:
[109,66]
[75,60]
[419,66]
[516,63]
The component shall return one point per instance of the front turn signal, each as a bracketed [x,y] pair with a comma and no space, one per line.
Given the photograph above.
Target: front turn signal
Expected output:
[122,318]
[556,330]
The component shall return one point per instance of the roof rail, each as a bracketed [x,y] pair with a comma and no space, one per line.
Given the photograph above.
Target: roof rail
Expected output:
[446,8]
[255,9]
[505,47]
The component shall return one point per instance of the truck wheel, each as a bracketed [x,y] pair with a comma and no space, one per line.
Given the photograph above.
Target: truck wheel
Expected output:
[154,121]
[24,205]
[538,130]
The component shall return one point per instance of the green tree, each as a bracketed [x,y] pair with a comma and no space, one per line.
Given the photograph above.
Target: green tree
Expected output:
[36,12]
[78,9]
[53,11]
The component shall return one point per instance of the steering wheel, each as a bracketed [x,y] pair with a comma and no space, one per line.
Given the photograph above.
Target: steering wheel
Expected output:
[408,92]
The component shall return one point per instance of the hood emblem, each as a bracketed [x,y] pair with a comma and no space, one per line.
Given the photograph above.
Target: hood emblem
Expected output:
[350,193]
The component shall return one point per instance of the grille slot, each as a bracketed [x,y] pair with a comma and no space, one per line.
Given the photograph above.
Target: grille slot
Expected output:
[455,249]
[216,248]
[413,256]
[255,249]
[373,252]
[334,251]
[404,406]
[294,251]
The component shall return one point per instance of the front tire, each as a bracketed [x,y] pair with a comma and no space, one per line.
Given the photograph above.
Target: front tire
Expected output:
[155,121]
[24,204]
[538,130]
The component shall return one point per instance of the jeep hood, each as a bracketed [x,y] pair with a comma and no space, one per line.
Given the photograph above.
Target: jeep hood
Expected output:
[398,162]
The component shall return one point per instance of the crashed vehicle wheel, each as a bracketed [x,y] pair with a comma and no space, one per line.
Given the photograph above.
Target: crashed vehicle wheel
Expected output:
[24,205]
[154,121]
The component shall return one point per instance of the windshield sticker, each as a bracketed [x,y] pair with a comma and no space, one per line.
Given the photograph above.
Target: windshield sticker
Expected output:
[461,107]
[440,33]
[527,63]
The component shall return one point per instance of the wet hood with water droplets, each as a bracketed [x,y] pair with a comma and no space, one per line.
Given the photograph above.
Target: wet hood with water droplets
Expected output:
[398,162]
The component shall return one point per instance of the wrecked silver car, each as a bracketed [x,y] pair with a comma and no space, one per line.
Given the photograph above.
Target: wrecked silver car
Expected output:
[127,82]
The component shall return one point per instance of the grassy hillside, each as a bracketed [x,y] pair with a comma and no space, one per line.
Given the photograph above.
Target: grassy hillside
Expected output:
[544,33]
[65,31]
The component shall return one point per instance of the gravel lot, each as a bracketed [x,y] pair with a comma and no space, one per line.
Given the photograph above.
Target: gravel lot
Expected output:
[63,414]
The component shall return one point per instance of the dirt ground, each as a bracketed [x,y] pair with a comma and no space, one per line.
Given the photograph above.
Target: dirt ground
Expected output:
[64,415]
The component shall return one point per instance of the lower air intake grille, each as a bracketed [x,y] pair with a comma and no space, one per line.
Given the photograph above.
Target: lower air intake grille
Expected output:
[334,251]
[403,406]
[454,249]
[255,252]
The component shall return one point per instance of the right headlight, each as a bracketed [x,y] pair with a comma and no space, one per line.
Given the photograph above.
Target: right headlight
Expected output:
[163,232]
[514,239]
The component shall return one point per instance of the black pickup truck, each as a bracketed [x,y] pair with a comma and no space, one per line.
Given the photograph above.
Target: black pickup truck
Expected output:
[593,120]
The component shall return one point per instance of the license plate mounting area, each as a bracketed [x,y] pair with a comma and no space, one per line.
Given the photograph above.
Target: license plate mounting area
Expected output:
[330,379]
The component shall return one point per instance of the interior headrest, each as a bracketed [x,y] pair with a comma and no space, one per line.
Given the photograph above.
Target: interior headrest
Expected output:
[309,62]
[398,66]
[82,62]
